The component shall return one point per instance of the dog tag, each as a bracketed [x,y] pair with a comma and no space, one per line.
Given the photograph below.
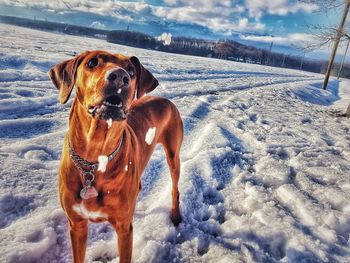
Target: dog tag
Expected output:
[87,193]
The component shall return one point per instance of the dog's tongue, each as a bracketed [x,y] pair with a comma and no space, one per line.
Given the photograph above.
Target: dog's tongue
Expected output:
[89,192]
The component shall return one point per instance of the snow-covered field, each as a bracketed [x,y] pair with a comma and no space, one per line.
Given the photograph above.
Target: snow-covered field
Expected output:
[265,162]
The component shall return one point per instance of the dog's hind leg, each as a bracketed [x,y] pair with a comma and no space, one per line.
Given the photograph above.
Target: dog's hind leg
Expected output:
[171,141]
[174,165]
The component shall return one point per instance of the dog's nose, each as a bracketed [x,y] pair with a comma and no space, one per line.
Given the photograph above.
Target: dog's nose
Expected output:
[119,77]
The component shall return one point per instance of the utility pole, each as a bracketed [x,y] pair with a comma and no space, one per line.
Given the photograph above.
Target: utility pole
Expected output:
[336,43]
[342,63]
[284,59]
[269,54]
[302,61]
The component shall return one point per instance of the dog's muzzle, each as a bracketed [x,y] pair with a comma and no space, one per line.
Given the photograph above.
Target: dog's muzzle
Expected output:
[111,108]
[118,85]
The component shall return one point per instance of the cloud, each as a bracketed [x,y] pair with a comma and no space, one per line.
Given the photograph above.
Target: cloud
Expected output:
[97,25]
[219,16]
[290,39]
[115,9]
[258,8]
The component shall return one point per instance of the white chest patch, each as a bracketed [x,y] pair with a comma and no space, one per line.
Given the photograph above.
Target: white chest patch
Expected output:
[102,163]
[81,210]
[150,135]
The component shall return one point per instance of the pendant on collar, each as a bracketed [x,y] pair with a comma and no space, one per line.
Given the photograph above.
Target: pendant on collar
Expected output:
[88,191]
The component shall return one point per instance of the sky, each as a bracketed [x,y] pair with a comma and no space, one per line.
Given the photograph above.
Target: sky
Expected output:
[256,22]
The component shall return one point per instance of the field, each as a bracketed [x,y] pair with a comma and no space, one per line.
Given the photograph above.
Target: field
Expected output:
[265,171]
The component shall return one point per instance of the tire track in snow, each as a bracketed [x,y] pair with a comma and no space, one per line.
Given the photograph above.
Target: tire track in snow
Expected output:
[204,76]
[230,88]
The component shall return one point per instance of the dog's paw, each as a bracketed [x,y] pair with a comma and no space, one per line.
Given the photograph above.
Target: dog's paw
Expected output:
[176,218]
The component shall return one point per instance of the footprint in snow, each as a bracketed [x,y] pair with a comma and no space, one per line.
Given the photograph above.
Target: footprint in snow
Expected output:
[14,207]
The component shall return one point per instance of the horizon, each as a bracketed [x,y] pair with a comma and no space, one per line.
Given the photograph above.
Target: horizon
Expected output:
[256,23]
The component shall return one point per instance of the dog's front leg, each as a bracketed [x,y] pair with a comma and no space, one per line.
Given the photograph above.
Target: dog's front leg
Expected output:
[124,232]
[78,231]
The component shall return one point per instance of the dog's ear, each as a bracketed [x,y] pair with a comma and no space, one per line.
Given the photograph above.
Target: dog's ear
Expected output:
[63,75]
[146,82]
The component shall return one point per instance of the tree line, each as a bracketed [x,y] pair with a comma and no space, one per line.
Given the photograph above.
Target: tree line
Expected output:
[222,49]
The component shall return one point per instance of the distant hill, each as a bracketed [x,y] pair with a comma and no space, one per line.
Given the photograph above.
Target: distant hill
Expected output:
[53,26]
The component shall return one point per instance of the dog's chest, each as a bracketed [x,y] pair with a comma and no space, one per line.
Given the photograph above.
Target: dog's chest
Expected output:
[87,213]
[99,208]
[112,199]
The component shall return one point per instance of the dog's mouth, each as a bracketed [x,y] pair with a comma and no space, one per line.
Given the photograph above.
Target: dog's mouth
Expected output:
[111,108]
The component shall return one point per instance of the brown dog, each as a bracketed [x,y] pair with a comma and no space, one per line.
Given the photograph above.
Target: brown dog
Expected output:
[113,130]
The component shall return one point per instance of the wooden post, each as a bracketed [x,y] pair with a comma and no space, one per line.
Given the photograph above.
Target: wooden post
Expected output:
[347,114]
[336,43]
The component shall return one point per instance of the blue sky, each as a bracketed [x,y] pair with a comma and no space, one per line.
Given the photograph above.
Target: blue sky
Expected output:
[257,22]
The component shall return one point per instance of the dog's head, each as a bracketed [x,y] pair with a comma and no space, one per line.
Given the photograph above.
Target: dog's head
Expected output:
[106,84]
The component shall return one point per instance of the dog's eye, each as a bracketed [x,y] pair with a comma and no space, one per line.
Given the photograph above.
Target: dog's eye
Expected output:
[131,72]
[92,63]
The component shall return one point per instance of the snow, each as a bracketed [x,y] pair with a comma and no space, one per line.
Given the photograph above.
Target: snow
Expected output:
[265,161]
[151,132]
[102,163]
[344,94]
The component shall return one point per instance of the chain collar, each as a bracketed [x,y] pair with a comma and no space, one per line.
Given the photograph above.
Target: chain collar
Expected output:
[87,168]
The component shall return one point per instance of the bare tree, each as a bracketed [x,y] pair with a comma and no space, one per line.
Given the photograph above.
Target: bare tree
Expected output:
[223,49]
[331,34]
[339,35]
[325,5]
